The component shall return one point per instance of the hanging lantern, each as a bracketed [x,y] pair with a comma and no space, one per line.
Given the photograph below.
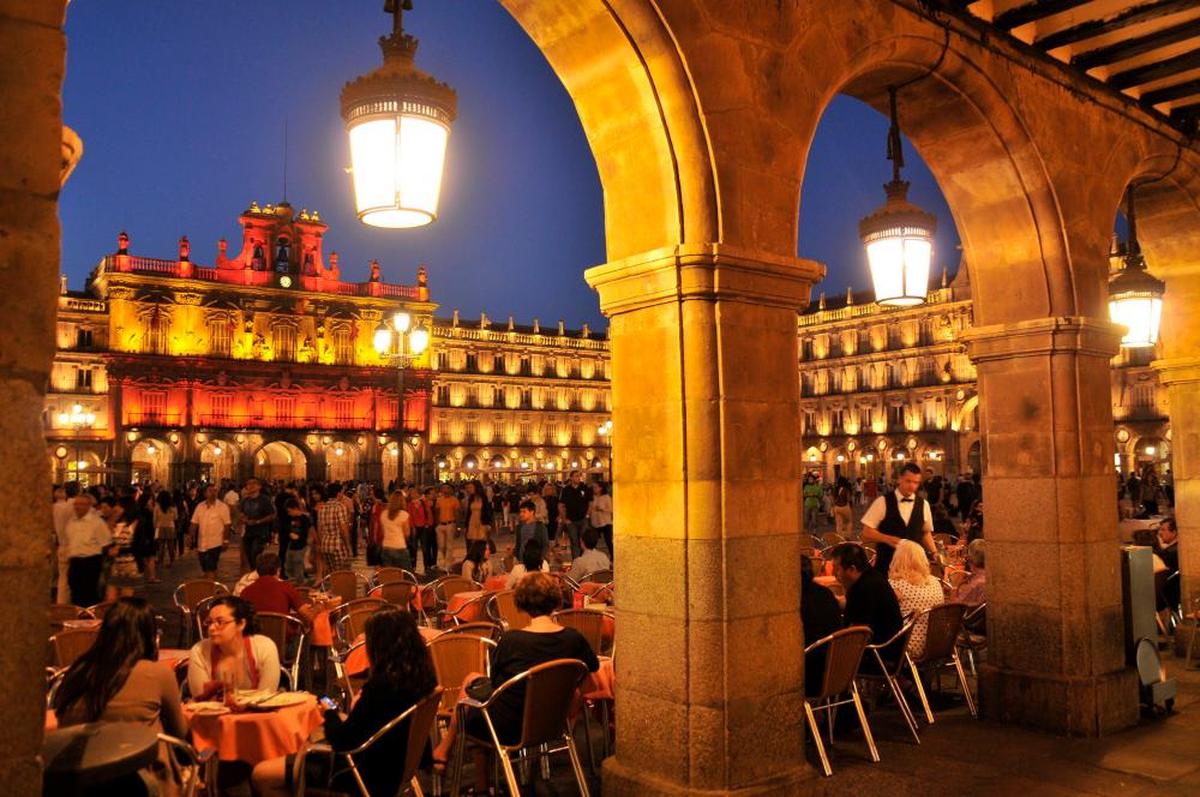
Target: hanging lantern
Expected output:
[898,236]
[398,119]
[1134,295]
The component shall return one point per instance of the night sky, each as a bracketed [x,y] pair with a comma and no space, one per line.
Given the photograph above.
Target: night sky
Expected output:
[182,109]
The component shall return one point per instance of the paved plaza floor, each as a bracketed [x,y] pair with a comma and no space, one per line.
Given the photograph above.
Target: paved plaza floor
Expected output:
[958,755]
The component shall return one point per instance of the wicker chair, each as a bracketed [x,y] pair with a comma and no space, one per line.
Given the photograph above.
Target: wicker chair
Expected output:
[973,637]
[888,673]
[285,630]
[831,538]
[598,577]
[351,683]
[484,629]
[349,620]
[59,613]
[196,770]
[72,643]
[844,652]
[420,718]
[588,622]
[502,606]
[188,595]
[455,656]
[549,692]
[469,611]
[447,587]
[392,575]
[400,594]
[100,609]
[346,584]
[941,650]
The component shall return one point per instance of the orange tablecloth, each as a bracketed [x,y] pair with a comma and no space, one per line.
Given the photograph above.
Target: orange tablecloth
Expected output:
[254,736]
[496,583]
[321,634]
[596,591]
[474,613]
[358,661]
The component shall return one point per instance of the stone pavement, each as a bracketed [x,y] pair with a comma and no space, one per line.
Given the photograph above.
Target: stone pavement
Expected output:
[958,755]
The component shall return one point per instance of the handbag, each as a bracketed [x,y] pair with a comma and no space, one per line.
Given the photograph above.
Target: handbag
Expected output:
[480,689]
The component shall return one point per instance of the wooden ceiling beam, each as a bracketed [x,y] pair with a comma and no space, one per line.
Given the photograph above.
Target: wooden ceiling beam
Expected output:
[1143,12]
[1171,93]
[1121,51]
[1156,71]
[1033,11]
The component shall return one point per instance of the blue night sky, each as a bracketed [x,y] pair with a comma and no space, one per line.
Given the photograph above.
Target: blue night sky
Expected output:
[181,107]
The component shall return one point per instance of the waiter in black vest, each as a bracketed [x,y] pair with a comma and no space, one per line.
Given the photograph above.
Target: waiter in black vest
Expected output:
[899,515]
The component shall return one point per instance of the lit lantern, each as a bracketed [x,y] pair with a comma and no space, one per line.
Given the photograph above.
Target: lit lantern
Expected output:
[898,236]
[398,119]
[1134,295]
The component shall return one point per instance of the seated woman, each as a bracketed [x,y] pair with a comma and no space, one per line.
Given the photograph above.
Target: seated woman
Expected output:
[543,640]
[915,588]
[401,674]
[531,562]
[119,679]
[476,566]
[233,653]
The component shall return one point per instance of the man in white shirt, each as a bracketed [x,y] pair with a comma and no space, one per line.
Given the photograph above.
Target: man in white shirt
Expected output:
[63,509]
[87,537]
[210,524]
[899,515]
[590,560]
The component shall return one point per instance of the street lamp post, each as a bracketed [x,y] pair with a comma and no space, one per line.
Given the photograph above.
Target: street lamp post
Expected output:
[409,343]
[79,420]
[605,432]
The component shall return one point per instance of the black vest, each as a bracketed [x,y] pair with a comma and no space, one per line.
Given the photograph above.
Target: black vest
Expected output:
[894,525]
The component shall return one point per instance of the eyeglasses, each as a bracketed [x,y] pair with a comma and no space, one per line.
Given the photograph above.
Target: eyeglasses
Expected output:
[219,622]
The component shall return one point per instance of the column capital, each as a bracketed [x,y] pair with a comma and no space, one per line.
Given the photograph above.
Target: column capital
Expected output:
[1177,370]
[1097,337]
[703,271]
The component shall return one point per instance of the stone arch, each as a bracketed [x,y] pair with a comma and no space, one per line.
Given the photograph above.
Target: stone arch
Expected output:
[343,466]
[281,460]
[151,459]
[987,167]
[622,66]
[964,416]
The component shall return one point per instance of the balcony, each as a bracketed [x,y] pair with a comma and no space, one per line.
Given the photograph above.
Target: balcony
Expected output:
[256,421]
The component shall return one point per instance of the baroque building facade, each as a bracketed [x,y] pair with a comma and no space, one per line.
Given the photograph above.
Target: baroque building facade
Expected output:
[264,364]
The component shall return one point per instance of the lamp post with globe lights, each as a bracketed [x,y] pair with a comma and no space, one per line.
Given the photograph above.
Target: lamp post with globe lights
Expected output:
[401,343]
[80,420]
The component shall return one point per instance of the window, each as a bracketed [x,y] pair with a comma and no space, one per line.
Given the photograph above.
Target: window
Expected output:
[155,405]
[285,408]
[283,341]
[156,335]
[221,404]
[220,338]
[441,395]
[472,430]
[810,421]
[83,378]
[472,361]
[83,338]
[896,416]
[343,348]
[343,410]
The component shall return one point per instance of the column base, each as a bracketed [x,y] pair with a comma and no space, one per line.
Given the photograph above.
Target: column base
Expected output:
[1073,705]
[621,781]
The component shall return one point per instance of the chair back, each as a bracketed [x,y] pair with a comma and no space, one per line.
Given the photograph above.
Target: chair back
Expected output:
[392,575]
[281,629]
[100,609]
[503,607]
[352,683]
[549,692]
[353,623]
[449,586]
[343,609]
[843,654]
[420,718]
[190,593]
[72,643]
[598,576]
[344,584]
[941,632]
[831,538]
[397,593]
[587,622]
[454,658]
[486,630]
[955,578]
[974,619]
[944,539]
[59,613]
[899,643]
[200,613]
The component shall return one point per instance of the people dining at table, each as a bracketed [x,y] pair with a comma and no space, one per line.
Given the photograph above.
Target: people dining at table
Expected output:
[119,679]
[476,566]
[821,616]
[269,593]
[401,674]
[590,560]
[870,600]
[973,591]
[232,654]
[916,589]
[538,595]
[532,561]
[1166,547]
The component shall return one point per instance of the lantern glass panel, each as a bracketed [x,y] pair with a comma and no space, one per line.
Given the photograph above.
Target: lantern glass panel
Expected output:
[1140,315]
[397,164]
[900,269]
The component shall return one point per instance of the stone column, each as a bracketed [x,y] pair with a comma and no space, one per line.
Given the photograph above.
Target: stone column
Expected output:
[1056,656]
[705,424]
[33,160]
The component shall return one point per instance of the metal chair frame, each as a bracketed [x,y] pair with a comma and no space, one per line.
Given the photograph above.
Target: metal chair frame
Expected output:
[197,762]
[850,638]
[945,655]
[187,606]
[604,576]
[480,600]
[422,714]
[502,607]
[299,632]
[411,589]
[590,624]
[390,575]
[533,675]
[891,677]
[65,639]
[480,628]
[361,584]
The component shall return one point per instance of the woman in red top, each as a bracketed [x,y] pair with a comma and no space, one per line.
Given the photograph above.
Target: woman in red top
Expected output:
[375,531]
[420,517]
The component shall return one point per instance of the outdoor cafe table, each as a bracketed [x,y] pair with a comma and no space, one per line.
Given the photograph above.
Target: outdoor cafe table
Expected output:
[321,635]
[254,736]
[81,756]
[474,613]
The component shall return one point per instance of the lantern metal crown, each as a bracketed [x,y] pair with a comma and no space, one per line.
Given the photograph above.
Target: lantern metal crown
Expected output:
[1134,294]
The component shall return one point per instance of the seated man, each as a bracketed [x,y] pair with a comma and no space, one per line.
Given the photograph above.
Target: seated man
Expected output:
[590,560]
[870,600]
[269,593]
[1166,546]
[821,616]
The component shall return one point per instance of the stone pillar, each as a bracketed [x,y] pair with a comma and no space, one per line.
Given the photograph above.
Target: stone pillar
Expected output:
[705,422]
[1181,379]
[32,163]
[1056,656]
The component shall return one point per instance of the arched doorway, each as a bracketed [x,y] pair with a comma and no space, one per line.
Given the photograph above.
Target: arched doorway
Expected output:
[341,461]
[281,461]
[151,461]
[219,461]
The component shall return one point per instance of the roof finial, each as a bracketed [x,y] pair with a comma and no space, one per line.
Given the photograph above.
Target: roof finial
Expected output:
[849,295]
[821,301]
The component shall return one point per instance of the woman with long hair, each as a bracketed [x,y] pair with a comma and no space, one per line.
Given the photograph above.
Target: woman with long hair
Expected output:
[165,520]
[232,654]
[401,674]
[915,588]
[124,575]
[395,531]
[119,679]
[475,566]
[478,511]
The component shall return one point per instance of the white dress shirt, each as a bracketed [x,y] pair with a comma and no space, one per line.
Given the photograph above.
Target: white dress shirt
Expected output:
[211,520]
[874,514]
[86,536]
